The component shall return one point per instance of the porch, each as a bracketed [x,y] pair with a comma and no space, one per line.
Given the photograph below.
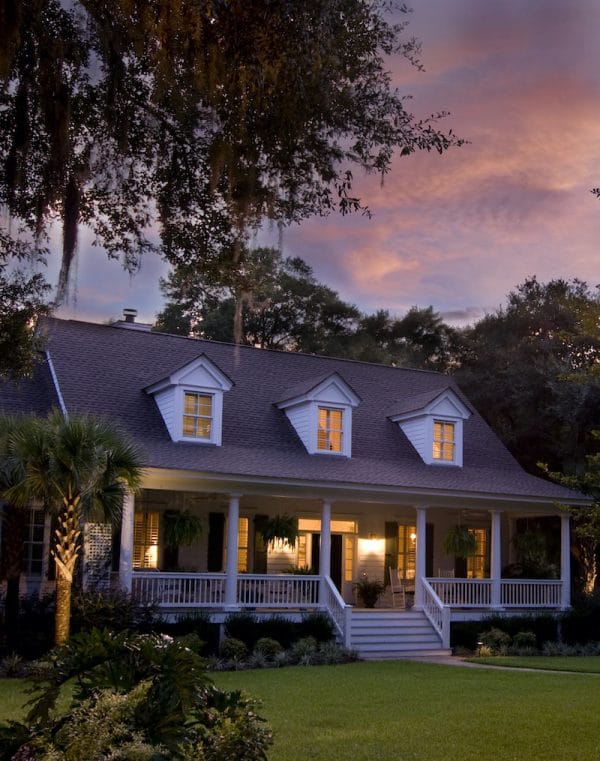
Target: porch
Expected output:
[444,600]
[340,541]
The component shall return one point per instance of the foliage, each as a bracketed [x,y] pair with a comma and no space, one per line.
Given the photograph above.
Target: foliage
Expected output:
[466,634]
[535,356]
[317,625]
[242,626]
[114,113]
[369,591]
[180,528]
[23,299]
[115,610]
[280,528]
[460,542]
[496,640]
[260,298]
[268,647]
[34,628]
[145,694]
[531,555]
[77,467]
[233,649]
[197,623]
[280,629]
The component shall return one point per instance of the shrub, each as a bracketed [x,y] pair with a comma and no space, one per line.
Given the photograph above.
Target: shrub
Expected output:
[523,640]
[36,626]
[466,634]
[279,628]
[581,624]
[317,625]
[194,623]
[136,698]
[304,652]
[268,648]
[233,649]
[243,626]
[113,609]
[496,640]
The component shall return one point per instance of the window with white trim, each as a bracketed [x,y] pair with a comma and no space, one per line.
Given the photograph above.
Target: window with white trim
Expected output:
[197,415]
[478,564]
[330,431]
[34,546]
[407,545]
[443,440]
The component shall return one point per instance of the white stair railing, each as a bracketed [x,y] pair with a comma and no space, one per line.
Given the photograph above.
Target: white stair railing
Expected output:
[437,612]
[339,611]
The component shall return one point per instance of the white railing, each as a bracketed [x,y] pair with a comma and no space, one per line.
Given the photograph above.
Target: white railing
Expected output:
[277,591]
[463,593]
[175,590]
[436,612]
[529,593]
[207,590]
[338,609]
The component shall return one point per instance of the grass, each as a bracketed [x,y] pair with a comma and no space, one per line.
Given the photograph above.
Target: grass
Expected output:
[404,711]
[580,664]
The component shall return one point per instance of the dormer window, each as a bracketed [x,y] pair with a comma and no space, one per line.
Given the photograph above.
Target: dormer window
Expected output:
[197,415]
[443,440]
[321,413]
[330,432]
[191,401]
[433,423]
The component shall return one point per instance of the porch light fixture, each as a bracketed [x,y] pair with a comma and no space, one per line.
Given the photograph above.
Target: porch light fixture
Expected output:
[412,536]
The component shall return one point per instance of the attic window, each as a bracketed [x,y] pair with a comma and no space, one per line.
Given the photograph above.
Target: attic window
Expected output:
[197,415]
[330,433]
[443,441]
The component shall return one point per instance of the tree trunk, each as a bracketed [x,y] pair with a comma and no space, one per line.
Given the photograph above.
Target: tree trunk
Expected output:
[65,557]
[62,620]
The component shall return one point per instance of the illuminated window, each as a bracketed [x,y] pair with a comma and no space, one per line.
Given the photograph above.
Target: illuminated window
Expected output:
[197,415]
[337,527]
[477,564]
[407,543]
[443,441]
[242,550]
[243,526]
[348,558]
[145,540]
[329,435]
[302,556]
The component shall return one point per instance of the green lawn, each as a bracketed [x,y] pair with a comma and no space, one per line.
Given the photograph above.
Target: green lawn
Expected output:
[580,664]
[404,711]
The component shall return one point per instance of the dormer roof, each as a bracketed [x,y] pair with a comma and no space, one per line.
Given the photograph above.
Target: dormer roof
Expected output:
[200,373]
[435,402]
[330,388]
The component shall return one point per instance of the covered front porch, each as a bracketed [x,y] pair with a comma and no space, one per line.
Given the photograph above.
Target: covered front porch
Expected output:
[342,538]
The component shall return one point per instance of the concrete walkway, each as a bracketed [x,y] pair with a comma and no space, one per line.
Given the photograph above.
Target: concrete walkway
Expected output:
[455,660]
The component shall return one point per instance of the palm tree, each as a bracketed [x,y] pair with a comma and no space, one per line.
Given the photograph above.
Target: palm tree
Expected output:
[79,469]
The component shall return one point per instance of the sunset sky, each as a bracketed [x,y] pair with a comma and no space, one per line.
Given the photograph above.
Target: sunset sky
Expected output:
[521,80]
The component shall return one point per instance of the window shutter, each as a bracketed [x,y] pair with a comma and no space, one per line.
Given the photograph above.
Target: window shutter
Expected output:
[391,549]
[216,526]
[260,548]
[429,549]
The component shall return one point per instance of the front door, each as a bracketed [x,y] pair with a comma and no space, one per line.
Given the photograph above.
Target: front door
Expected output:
[336,557]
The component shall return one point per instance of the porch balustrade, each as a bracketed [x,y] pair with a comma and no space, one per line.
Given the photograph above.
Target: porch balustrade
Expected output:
[207,590]
[514,593]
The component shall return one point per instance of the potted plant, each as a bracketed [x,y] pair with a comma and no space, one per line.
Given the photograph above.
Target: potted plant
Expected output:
[280,528]
[369,591]
[460,542]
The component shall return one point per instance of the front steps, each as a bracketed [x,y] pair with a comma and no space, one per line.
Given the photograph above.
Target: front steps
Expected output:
[377,634]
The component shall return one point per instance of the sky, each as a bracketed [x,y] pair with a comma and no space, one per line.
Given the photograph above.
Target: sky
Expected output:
[521,82]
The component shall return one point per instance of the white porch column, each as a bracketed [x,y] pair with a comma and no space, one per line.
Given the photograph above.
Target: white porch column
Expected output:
[565,559]
[233,518]
[420,555]
[325,551]
[126,549]
[496,559]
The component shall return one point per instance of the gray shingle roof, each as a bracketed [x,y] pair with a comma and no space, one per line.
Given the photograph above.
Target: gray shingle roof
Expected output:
[103,370]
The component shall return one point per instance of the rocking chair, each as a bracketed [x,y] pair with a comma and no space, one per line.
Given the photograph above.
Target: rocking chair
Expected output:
[397,589]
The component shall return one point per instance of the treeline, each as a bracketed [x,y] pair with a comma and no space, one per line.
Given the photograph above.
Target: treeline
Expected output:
[531,367]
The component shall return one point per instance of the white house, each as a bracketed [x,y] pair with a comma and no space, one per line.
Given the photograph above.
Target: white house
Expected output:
[376,463]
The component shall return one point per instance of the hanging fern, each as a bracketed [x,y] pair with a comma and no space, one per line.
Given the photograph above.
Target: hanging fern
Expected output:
[282,528]
[181,528]
[460,542]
